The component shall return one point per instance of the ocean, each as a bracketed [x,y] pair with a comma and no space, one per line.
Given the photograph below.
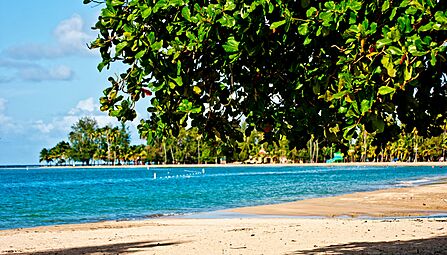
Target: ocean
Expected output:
[51,196]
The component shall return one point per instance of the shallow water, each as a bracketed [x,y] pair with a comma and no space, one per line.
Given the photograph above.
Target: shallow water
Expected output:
[57,196]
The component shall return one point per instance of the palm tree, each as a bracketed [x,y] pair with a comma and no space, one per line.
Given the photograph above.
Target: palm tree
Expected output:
[45,156]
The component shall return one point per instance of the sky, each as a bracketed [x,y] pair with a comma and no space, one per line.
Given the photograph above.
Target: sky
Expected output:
[48,76]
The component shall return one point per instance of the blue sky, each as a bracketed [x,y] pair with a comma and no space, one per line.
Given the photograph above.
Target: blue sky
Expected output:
[48,77]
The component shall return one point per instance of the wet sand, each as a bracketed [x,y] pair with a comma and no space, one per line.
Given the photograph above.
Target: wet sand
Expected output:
[239,235]
[412,201]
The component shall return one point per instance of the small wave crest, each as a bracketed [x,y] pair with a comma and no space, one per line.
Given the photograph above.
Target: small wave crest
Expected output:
[418,182]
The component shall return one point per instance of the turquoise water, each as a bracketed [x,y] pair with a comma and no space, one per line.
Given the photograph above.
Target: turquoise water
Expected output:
[45,196]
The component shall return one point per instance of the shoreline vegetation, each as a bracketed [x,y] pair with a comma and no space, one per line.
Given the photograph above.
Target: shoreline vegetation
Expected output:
[391,231]
[88,144]
[239,164]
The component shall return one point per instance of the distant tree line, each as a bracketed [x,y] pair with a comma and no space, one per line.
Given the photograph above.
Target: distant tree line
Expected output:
[89,144]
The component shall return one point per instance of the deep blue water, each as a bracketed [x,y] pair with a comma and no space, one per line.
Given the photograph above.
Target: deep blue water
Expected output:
[56,196]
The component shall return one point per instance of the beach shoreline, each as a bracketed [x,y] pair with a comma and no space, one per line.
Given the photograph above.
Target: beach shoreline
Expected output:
[274,233]
[347,164]
[422,200]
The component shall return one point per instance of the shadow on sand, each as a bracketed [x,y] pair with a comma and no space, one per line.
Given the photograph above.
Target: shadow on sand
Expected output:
[436,245]
[117,248]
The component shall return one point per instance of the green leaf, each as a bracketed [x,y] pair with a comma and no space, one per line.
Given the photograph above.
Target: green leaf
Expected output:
[146,13]
[349,131]
[101,66]
[330,5]
[387,62]
[408,73]
[303,29]
[373,28]
[227,21]
[231,45]
[160,4]
[364,106]
[229,6]
[340,94]
[426,27]
[277,24]
[311,12]
[382,43]
[157,46]
[271,7]
[412,49]
[307,41]
[385,5]
[385,90]
[393,13]
[176,2]
[433,58]
[178,80]
[186,13]
[117,2]
[355,5]
[327,18]
[391,71]
[151,37]
[179,67]
[440,17]
[394,50]
[411,10]
[140,54]
[197,90]
[119,47]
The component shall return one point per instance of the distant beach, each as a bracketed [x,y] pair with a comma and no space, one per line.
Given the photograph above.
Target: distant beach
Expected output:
[432,163]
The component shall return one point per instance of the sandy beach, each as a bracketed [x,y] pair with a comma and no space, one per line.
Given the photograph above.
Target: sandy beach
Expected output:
[233,236]
[413,201]
[260,235]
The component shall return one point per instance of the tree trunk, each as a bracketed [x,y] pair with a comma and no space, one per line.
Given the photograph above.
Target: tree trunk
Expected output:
[310,151]
[166,153]
[172,155]
[366,146]
[198,151]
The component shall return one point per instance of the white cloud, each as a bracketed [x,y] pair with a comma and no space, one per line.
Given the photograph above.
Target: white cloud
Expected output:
[38,74]
[43,127]
[70,34]
[61,126]
[87,105]
[61,73]
[24,62]
[7,124]
[25,70]
[2,104]
[70,37]
[84,108]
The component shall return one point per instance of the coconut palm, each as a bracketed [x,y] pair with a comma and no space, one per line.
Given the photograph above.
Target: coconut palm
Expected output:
[45,156]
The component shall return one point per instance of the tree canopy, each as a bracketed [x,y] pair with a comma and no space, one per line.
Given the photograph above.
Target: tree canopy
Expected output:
[82,139]
[297,68]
